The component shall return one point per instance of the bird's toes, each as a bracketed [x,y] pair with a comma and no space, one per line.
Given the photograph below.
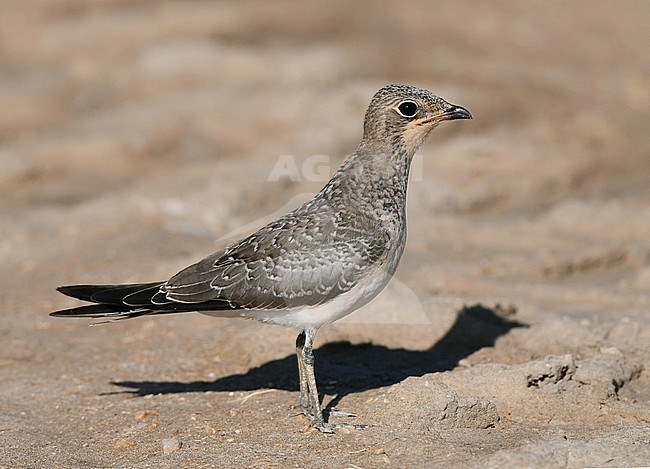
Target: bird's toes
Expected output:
[324,427]
[340,413]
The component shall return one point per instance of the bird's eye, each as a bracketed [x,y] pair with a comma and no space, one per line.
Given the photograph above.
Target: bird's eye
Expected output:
[407,108]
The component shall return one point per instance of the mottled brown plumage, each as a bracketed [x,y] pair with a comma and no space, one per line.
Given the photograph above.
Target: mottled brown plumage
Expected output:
[316,264]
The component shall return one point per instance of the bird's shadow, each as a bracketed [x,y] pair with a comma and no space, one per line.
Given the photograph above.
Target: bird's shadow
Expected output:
[344,368]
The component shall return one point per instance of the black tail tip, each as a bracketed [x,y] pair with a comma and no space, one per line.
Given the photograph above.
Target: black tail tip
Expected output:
[91,311]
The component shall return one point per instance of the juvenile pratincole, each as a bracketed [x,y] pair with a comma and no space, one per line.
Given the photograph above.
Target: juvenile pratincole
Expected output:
[314,265]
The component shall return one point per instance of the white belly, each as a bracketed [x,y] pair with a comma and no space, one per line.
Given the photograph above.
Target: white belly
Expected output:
[313,317]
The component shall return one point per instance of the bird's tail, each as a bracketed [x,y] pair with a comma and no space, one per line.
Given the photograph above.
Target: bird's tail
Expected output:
[114,302]
[117,302]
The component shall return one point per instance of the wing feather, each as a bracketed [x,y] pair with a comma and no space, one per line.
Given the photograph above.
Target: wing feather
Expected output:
[294,261]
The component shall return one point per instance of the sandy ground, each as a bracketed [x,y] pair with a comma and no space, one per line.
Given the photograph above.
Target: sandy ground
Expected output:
[135,137]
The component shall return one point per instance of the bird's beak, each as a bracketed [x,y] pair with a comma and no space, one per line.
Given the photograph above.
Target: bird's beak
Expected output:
[451,113]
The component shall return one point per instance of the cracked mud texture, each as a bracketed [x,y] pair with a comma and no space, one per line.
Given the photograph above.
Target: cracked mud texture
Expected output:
[137,137]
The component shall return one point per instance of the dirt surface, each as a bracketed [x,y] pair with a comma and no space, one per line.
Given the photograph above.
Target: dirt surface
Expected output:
[135,137]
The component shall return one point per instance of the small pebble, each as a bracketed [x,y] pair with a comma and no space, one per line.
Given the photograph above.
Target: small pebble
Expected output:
[169,445]
[144,414]
[123,443]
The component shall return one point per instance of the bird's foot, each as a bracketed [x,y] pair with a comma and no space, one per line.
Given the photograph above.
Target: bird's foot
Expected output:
[319,422]
[342,413]
[327,427]
[323,426]
[339,413]
[332,427]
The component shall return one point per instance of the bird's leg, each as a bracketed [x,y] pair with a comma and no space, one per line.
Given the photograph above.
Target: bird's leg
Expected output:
[305,402]
[307,355]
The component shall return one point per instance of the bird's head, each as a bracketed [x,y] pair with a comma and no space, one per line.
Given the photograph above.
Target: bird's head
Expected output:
[402,116]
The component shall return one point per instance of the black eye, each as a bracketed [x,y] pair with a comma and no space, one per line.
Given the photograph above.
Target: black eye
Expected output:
[407,108]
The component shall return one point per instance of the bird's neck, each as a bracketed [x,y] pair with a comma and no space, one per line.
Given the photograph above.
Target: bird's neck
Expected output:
[375,179]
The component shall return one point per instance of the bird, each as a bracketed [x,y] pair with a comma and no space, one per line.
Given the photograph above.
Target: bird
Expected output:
[314,265]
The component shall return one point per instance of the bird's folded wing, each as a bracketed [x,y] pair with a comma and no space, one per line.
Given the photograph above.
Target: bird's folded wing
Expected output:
[280,267]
